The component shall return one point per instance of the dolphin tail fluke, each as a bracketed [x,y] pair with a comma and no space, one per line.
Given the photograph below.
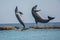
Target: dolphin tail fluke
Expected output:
[50,18]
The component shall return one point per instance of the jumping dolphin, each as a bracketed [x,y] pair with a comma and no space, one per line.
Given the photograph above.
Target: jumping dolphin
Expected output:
[38,18]
[18,15]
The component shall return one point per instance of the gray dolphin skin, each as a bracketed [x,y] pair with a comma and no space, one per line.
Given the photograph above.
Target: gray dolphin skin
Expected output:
[39,18]
[18,14]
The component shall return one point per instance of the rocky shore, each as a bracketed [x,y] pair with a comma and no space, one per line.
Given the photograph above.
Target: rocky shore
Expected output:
[9,28]
[45,27]
[34,27]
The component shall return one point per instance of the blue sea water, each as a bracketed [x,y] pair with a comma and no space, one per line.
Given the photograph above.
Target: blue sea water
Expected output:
[32,24]
[30,34]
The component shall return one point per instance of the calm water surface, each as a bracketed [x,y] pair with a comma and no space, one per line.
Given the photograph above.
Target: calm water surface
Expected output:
[30,34]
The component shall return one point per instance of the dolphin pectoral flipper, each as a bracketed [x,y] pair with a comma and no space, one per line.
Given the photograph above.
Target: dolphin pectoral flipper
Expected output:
[37,10]
[20,12]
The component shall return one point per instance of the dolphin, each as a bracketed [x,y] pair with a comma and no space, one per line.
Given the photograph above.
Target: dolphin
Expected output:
[39,18]
[18,15]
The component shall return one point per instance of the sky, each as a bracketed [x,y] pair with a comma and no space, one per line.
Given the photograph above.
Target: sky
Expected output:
[47,7]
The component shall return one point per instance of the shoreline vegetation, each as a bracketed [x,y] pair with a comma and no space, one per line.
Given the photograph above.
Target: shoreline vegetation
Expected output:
[33,27]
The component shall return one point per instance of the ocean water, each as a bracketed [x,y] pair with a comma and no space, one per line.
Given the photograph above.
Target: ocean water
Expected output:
[30,34]
[32,24]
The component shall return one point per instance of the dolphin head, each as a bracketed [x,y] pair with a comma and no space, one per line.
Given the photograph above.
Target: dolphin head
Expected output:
[16,9]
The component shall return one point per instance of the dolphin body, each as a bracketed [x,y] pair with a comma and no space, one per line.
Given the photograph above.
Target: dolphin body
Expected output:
[18,15]
[38,18]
